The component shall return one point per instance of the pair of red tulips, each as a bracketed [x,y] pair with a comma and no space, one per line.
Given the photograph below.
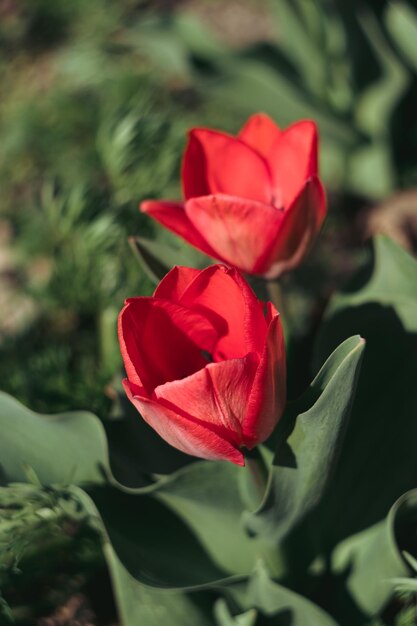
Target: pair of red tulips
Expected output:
[205,359]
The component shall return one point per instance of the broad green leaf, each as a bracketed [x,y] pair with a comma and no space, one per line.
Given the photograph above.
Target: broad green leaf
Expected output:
[371,173]
[322,60]
[152,542]
[371,561]
[224,618]
[293,29]
[202,506]
[376,103]
[401,22]
[210,497]
[378,461]
[272,599]
[371,170]
[305,459]
[72,448]
[199,505]
[66,448]
[139,604]
[392,283]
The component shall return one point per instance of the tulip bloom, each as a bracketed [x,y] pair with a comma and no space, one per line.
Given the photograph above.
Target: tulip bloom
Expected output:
[205,362]
[253,201]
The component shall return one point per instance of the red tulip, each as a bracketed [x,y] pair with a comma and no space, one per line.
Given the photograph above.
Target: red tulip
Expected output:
[205,362]
[253,201]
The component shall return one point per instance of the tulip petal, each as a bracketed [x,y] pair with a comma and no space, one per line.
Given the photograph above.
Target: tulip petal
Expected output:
[301,223]
[194,169]
[217,394]
[218,163]
[162,341]
[293,159]
[268,393]
[172,215]
[224,297]
[239,231]
[260,132]
[174,284]
[185,433]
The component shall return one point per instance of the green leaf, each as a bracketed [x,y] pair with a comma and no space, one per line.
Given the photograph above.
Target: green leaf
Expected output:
[152,256]
[376,103]
[371,173]
[275,600]
[378,461]
[65,448]
[141,531]
[210,498]
[199,505]
[401,22]
[139,604]
[224,618]
[158,256]
[392,283]
[371,561]
[71,448]
[254,86]
[202,506]
[309,56]
[305,459]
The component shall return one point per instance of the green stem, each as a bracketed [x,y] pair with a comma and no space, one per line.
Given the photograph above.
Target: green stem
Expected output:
[274,290]
[254,478]
[276,296]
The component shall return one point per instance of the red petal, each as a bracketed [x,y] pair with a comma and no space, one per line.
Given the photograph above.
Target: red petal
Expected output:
[218,394]
[268,394]
[293,160]
[239,231]
[225,298]
[218,163]
[187,434]
[172,216]
[173,284]
[260,132]
[300,225]
[162,341]
[194,169]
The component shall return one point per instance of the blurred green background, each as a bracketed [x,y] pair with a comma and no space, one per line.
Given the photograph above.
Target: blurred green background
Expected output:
[96,99]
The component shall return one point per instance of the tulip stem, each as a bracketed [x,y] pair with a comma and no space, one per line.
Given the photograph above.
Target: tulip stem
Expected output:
[275,294]
[255,478]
